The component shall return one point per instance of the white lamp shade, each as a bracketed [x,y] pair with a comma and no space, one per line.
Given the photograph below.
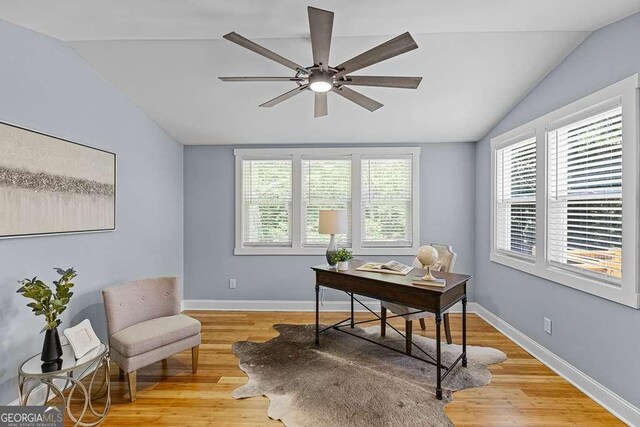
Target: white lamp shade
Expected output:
[333,222]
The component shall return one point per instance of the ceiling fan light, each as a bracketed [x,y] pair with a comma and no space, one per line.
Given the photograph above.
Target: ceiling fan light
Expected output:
[320,82]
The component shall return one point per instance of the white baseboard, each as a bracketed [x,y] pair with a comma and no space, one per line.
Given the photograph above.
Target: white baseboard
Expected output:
[273,305]
[281,305]
[615,404]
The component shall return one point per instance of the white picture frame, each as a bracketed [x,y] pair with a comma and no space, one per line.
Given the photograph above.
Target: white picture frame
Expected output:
[82,338]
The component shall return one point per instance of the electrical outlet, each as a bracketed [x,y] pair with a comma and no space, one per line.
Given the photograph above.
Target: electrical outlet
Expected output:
[547,325]
[232,283]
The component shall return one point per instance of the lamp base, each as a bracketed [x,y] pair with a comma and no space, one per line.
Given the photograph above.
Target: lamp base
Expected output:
[331,250]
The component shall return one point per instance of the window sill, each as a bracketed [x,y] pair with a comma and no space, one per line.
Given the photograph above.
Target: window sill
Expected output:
[280,251]
[619,294]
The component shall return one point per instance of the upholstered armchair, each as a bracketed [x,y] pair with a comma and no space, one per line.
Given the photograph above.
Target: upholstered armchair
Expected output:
[445,263]
[145,325]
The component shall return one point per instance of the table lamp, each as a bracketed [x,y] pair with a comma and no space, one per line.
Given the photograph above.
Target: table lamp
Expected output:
[332,222]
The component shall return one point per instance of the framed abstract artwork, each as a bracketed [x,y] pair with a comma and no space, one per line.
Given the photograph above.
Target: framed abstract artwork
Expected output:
[49,185]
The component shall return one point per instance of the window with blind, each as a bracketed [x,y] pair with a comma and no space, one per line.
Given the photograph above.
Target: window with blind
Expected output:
[281,191]
[386,201]
[516,198]
[579,224]
[326,184]
[585,195]
[266,202]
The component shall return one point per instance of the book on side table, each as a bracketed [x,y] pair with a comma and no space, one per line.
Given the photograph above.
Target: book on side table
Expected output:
[391,267]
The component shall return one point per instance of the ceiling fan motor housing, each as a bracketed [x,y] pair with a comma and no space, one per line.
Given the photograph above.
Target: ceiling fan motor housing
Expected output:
[320,82]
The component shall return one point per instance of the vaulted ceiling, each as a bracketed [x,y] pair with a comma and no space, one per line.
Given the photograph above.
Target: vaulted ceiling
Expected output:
[478,59]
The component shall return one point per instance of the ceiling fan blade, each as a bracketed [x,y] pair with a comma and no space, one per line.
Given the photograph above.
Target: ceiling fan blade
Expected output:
[284,96]
[358,98]
[261,79]
[320,109]
[252,46]
[321,27]
[382,81]
[394,47]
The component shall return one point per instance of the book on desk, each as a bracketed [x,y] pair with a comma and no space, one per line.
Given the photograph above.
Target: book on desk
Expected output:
[390,267]
[437,282]
[398,268]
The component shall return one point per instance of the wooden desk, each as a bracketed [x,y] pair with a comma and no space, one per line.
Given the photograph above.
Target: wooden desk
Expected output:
[400,290]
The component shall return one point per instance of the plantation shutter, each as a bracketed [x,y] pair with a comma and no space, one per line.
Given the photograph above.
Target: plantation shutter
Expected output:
[516,198]
[326,184]
[585,195]
[387,202]
[267,202]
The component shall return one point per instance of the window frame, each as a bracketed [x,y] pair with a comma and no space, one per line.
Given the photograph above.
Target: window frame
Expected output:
[499,145]
[297,231]
[627,94]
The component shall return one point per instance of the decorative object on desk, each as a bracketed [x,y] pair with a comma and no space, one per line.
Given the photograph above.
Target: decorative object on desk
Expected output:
[333,221]
[308,385]
[50,305]
[49,185]
[341,257]
[82,338]
[428,257]
[391,267]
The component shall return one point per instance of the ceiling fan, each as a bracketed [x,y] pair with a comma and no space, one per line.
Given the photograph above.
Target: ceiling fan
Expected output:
[320,77]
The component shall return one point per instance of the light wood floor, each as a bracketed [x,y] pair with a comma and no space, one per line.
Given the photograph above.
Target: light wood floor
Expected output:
[523,391]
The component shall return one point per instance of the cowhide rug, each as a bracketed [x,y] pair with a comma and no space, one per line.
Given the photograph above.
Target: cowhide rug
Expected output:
[350,382]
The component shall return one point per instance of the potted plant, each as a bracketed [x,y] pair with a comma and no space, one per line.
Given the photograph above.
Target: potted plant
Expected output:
[49,304]
[342,257]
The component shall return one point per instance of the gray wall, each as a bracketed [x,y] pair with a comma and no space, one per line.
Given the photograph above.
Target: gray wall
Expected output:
[45,85]
[447,215]
[599,337]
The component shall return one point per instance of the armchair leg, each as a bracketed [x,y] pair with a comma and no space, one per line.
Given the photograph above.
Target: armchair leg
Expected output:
[423,325]
[132,379]
[194,358]
[383,321]
[447,328]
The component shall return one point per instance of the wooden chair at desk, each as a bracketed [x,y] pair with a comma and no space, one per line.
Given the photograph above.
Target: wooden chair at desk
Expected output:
[446,261]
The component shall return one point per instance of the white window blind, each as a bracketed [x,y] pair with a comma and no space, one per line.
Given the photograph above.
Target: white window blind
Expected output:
[326,184]
[386,201]
[516,198]
[585,195]
[267,202]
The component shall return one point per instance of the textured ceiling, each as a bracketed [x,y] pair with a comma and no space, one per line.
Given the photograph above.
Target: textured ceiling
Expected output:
[477,57]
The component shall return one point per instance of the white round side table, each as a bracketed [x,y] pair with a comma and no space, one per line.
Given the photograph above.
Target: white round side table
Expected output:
[68,374]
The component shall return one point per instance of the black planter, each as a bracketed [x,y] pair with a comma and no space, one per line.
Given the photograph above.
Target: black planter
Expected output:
[52,348]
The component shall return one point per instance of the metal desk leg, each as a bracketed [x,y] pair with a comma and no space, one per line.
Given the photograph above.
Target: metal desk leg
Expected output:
[438,357]
[352,319]
[317,314]
[464,332]
[408,332]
